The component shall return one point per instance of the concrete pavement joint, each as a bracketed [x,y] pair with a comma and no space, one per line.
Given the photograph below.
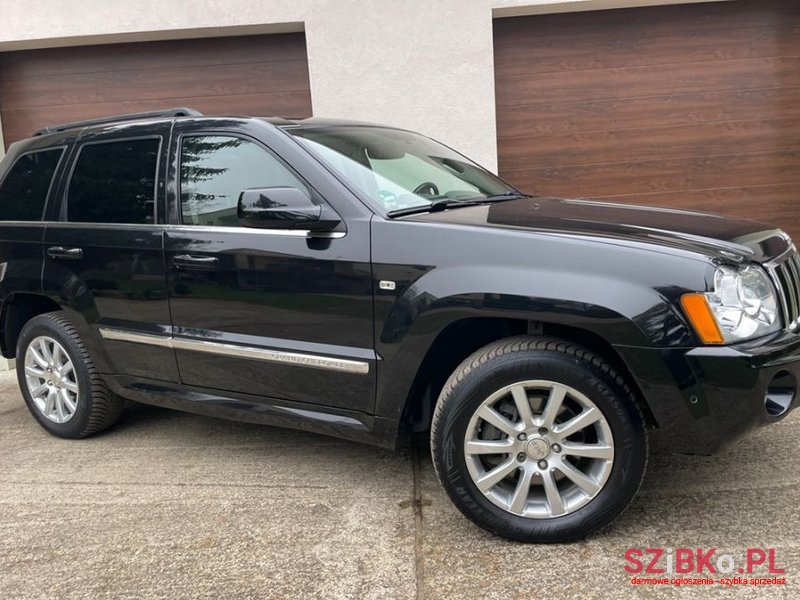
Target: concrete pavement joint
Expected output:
[419,556]
[720,490]
[173,484]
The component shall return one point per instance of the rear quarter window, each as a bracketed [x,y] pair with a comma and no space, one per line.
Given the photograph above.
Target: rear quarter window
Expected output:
[24,190]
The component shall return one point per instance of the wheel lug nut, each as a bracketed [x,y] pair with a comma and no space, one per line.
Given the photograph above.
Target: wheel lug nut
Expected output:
[522,437]
[556,448]
[521,457]
[543,464]
[542,430]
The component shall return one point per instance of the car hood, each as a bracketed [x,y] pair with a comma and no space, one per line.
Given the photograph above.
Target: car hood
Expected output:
[687,230]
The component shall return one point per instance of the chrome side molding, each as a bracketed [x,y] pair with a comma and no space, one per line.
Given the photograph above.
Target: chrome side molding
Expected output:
[300,359]
[151,339]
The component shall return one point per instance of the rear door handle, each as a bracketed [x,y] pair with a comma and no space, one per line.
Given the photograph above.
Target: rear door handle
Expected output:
[61,252]
[203,263]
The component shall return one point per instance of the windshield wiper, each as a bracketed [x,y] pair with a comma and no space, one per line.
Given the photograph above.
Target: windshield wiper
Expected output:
[435,206]
[508,196]
[443,203]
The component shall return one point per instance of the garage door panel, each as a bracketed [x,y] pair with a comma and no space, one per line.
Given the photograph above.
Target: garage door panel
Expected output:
[262,75]
[769,199]
[153,55]
[696,140]
[252,78]
[622,48]
[653,22]
[661,80]
[20,123]
[768,203]
[641,177]
[539,118]
[692,106]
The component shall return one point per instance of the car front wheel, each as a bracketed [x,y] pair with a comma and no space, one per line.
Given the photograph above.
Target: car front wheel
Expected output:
[538,440]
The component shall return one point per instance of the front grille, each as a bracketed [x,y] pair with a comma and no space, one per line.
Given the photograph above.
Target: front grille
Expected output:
[787,277]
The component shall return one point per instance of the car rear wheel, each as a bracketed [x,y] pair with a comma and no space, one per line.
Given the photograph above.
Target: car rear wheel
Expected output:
[538,440]
[58,381]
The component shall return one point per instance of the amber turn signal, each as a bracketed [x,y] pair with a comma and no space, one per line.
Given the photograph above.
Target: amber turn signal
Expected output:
[699,312]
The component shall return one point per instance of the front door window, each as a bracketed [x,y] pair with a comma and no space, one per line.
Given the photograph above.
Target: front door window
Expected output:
[214,171]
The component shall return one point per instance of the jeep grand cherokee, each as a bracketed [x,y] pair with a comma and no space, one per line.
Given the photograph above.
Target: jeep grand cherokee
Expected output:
[367,282]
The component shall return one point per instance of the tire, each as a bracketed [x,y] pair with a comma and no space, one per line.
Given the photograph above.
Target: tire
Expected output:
[71,400]
[535,489]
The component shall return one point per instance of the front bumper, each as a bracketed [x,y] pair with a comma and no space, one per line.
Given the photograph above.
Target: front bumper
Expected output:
[703,398]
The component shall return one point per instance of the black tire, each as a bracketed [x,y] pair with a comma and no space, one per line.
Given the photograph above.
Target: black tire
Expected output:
[538,358]
[97,407]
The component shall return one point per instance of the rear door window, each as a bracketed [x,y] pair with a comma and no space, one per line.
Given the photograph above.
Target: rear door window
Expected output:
[114,182]
[24,190]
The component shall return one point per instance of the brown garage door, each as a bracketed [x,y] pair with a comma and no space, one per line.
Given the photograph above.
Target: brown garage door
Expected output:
[694,106]
[261,75]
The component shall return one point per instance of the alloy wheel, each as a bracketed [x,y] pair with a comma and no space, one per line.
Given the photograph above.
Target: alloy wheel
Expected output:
[539,449]
[51,379]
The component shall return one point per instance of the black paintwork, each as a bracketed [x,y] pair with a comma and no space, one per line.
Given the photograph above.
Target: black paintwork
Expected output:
[614,272]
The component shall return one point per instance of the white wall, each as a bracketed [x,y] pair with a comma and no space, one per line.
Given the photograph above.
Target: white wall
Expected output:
[422,64]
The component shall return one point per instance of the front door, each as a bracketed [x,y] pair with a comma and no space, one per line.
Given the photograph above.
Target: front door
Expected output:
[269,313]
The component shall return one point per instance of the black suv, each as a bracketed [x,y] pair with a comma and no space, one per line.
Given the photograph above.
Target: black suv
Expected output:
[367,282]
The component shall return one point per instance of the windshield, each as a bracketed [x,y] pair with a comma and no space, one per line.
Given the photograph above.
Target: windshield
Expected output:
[399,169]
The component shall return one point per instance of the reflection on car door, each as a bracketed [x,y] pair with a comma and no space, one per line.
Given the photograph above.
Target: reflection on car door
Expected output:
[270,313]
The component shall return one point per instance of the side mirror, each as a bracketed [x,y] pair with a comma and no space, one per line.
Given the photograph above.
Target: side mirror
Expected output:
[283,208]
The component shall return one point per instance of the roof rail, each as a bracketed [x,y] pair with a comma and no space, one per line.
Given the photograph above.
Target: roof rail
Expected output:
[171,112]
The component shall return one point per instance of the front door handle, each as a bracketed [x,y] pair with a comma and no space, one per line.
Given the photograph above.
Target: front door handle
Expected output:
[61,252]
[203,263]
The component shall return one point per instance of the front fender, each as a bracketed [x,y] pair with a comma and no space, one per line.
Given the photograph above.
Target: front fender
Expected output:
[620,313]
[624,296]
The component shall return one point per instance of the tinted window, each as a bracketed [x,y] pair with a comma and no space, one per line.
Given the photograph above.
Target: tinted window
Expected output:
[114,182]
[215,170]
[24,190]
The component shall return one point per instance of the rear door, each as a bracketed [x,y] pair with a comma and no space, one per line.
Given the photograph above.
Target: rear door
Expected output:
[272,313]
[104,250]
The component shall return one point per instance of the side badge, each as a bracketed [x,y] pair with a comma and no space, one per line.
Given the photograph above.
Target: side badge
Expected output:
[387,285]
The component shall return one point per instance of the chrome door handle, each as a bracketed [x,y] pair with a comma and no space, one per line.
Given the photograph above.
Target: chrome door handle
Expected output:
[61,252]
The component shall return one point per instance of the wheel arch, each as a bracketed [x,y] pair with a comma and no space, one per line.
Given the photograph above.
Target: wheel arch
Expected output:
[18,309]
[461,338]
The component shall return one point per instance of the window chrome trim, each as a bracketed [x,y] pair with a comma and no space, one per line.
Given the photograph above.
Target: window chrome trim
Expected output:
[265,231]
[300,359]
[6,223]
[304,233]
[93,225]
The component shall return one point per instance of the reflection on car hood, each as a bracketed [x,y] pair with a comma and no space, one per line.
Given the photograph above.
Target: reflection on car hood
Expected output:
[694,231]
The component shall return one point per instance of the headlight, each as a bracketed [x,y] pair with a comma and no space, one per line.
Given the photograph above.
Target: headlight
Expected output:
[743,305]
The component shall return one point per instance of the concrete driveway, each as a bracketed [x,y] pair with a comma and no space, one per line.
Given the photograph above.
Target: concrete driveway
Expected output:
[172,505]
